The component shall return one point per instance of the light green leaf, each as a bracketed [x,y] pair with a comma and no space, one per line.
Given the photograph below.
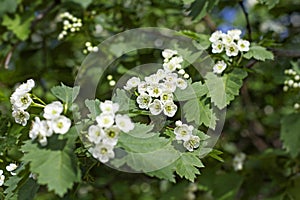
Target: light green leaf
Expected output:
[233,81]
[200,8]
[192,111]
[269,3]
[166,173]
[194,90]
[21,28]
[65,93]
[216,88]
[141,131]
[187,166]
[56,169]
[207,116]
[188,1]
[121,97]
[289,134]
[259,53]
[94,108]
[8,6]
[84,3]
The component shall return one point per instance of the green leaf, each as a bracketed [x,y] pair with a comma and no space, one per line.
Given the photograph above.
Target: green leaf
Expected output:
[223,90]
[65,93]
[56,169]
[141,130]
[8,6]
[94,108]
[187,166]
[200,8]
[233,81]
[202,40]
[289,134]
[194,90]
[121,97]
[259,53]
[166,173]
[207,116]
[188,1]
[20,27]
[216,155]
[84,3]
[216,88]
[269,3]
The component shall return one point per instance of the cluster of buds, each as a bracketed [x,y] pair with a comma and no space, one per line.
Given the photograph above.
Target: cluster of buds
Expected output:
[293,81]
[70,24]
[90,48]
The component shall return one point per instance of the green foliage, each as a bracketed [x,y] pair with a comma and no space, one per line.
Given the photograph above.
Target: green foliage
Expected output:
[259,53]
[200,8]
[269,3]
[94,108]
[289,133]
[216,88]
[65,93]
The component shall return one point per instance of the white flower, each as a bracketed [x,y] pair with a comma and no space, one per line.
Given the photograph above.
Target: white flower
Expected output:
[234,33]
[102,152]
[183,132]
[181,83]
[109,107]
[105,120]
[143,100]
[219,67]
[154,90]
[192,143]
[238,161]
[232,50]
[25,87]
[53,110]
[142,87]
[124,123]
[168,53]
[95,134]
[2,177]
[170,108]
[20,116]
[156,107]
[132,83]
[61,124]
[111,135]
[178,123]
[217,46]
[11,167]
[173,64]
[161,74]
[171,77]
[227,39]
[153,78]
[243,45]
[21,101]
[169,87]
[164,97]
[216,36]
[41,130]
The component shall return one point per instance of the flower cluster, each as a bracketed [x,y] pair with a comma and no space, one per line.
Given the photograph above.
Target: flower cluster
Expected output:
[10,168]
[231,43]
[155,93]
[90,48]
[70,23]
[54,122]
[184,132]
[293,81]
[104,135]
[21,100]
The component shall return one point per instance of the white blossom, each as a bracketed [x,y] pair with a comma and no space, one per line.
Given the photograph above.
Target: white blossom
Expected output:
[227,39]
[173,64]
[164,97]
[217,35]
[142,87]
[219,67]
[11,167]
[124,123]
[183,132]
[132,83]
[243,45]
[105,120]
[161,74]
[169,87]
[111,135]
[144,100]
[171,77]
[156,107]
[25,87]
[154,90]
[21,101]
[109,107]
[238,161]
[53,110]
[232,50]
[20,116]
[181,83]
[170,109]
[192,143]
[2,177]
[95,134]
[153,78]
[217,46]
[102,152]
[234,33]
[168,53]
[60,125]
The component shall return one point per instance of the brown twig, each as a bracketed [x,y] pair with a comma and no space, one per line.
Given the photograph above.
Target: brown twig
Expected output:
[247,20]
[210,23]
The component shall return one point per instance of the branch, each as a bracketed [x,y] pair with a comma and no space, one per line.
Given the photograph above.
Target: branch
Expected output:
[247,20]
[210,23]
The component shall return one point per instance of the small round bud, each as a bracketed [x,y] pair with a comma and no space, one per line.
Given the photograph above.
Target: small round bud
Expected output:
[285,88]
[297,78]
[88,44]
[186,76]
[109,77]
[181,71]
[95,49]
[112,83]
[296,106]
[290,82]
[295,85]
